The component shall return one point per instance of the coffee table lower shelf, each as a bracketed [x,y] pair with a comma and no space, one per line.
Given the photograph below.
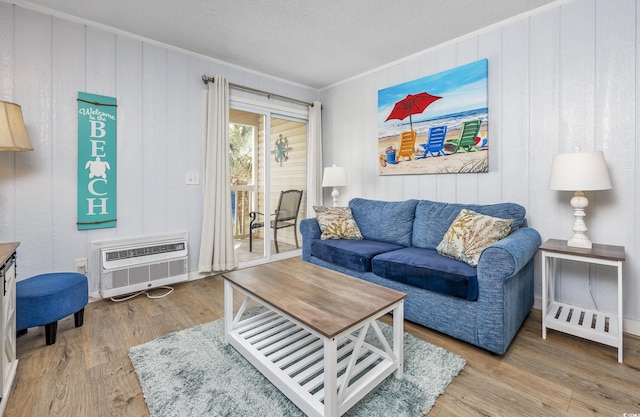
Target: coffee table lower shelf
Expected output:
[322,376]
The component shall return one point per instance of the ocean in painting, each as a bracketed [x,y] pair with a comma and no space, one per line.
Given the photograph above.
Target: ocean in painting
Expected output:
[452,121]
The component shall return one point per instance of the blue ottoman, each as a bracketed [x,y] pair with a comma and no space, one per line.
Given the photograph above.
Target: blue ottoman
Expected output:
[44,299]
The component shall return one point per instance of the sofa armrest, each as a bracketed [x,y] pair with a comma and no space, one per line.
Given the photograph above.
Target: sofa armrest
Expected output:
[508,256]
[310,230]
[505,288]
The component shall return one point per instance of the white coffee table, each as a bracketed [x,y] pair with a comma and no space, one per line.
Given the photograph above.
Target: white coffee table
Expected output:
[310,342]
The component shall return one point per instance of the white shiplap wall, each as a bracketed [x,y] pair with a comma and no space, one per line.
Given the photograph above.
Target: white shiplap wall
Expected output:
[44,62]
[563,77]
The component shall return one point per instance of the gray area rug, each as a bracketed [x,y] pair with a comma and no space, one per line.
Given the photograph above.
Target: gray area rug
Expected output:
[194,373]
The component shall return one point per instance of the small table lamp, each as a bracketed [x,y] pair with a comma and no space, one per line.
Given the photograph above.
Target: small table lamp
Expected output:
[13,134]
[334,177]
[579,171]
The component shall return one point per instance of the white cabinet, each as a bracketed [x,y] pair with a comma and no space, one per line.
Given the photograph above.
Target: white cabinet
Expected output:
[8,322]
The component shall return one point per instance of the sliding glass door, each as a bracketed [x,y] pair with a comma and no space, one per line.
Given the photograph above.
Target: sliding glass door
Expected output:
[268,173]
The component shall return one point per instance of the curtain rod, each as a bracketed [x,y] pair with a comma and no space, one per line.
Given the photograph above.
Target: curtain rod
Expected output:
[267,94]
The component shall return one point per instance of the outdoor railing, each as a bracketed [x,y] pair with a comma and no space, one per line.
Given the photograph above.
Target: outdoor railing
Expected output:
[241,203]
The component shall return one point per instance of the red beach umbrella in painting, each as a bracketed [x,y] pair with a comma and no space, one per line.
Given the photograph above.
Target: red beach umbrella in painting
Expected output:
[411,104]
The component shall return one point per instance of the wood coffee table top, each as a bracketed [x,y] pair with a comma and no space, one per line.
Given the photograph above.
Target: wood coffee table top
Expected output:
[322,299]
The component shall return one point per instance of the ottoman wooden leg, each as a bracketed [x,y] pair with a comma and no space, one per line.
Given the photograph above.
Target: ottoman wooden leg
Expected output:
[78,317]
[50,331]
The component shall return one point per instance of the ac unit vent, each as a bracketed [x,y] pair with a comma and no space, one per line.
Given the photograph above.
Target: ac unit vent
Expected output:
[146,251]
[131,266]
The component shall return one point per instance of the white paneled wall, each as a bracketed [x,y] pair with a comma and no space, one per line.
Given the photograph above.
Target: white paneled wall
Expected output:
[44,62]
[563,77]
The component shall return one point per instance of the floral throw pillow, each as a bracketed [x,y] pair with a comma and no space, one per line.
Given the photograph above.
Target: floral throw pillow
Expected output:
[470,233]
[337,223]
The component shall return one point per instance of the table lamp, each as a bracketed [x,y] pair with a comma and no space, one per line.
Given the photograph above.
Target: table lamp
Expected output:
[334,177]
[579,171]
[13,133]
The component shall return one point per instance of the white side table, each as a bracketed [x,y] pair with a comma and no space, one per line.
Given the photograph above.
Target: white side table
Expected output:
[578,321]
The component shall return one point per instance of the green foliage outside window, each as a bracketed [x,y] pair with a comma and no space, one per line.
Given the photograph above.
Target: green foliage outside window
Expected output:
[240,153]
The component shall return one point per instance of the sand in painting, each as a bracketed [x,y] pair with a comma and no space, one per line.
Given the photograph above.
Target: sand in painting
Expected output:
[454,163]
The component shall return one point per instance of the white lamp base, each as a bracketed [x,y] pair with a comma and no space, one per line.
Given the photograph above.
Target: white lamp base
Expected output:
[579,239]
[335,193]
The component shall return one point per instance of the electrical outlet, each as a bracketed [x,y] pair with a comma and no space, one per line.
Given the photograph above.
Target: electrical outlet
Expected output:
[81,265]
[192,178]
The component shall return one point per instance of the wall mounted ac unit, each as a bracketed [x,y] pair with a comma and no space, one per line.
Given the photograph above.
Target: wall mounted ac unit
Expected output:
[132,265]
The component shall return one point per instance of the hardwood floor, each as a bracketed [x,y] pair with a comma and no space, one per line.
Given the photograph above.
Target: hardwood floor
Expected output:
[88,373]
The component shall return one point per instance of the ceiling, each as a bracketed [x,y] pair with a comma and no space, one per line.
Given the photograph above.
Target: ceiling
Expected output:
[315,43]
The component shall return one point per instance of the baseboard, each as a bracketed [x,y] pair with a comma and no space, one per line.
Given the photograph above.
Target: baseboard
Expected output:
[194,275]
[629,326]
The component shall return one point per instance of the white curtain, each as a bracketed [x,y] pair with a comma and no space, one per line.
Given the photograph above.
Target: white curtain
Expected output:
[314,158]
[216,243]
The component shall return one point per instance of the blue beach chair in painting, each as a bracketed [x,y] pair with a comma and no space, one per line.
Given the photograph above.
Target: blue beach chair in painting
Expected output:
[467,140]
[435,142]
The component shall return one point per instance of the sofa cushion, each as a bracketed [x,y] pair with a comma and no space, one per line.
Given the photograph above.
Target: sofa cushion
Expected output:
[385,221]
[434,218]
[337,223]
[425,268]
[352,254]
[470,233]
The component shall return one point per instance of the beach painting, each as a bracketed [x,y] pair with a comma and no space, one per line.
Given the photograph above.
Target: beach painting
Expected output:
[437,124]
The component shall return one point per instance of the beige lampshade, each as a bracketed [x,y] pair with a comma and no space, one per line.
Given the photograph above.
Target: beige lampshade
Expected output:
[13,133]
[334,177]
[579,171]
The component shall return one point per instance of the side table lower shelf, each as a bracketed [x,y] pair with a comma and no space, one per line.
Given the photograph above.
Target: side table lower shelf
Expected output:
[583,322]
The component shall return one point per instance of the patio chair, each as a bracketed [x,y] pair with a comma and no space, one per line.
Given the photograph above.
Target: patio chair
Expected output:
[286,215]
[467,140]
[407,145]
[435,142]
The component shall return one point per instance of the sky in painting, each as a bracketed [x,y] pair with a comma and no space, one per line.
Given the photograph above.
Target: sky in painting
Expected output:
[462,89]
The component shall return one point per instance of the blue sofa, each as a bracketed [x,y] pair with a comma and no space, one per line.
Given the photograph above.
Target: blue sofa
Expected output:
[484,306]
